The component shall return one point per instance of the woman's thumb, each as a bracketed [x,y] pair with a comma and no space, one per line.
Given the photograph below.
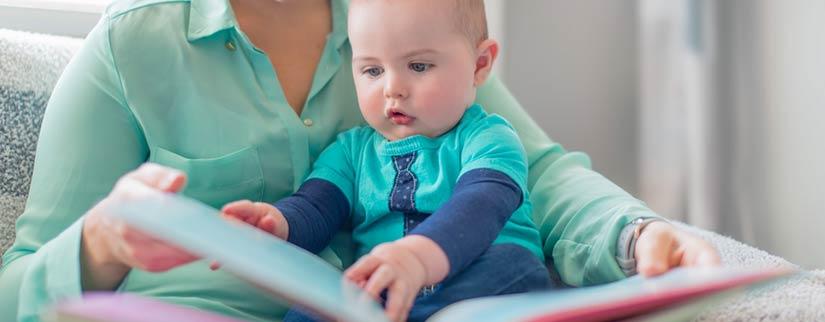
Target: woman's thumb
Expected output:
[173,182]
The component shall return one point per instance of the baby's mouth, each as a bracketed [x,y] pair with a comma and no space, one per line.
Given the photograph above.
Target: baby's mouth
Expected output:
[399,118]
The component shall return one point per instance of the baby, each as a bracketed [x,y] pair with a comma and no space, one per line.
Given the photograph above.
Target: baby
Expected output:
[434,187]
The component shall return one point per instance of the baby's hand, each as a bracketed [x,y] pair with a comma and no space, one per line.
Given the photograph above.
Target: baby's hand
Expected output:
[261,215]
[393,267]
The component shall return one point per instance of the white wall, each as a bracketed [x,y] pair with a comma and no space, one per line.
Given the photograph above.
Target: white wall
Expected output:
[572,64]
[794,101]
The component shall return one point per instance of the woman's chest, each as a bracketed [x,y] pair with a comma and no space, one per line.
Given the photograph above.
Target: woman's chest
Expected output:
[233,139]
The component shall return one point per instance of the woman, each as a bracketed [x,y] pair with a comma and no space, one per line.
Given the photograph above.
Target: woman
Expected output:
[192,85]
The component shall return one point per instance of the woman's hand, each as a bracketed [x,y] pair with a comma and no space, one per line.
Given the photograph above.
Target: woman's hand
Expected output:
[392,267]
[110,248]
[661,246]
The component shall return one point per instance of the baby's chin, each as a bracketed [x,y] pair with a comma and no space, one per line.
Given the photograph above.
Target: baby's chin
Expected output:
[396,133]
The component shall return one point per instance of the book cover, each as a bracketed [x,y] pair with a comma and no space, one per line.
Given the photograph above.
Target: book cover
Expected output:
[302,278]
[272,264]
[122,307]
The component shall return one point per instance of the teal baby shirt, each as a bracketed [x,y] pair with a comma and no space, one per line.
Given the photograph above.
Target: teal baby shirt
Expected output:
[361,163]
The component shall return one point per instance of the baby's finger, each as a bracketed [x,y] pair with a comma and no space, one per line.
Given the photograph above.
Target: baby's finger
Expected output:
[379,280]
[398,301]
[243,210]
[267,224]
[362,269]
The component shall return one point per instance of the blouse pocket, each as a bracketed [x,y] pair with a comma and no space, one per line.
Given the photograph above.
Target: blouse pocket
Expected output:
[219,180]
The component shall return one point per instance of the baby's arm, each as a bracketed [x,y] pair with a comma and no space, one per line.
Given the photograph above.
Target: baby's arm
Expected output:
[446,242]
[468,223]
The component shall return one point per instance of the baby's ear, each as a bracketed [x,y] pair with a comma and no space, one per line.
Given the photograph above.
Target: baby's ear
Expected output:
[486,54]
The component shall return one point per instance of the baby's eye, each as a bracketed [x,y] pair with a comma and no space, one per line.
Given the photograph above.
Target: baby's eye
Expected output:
[374,71]
[420,67]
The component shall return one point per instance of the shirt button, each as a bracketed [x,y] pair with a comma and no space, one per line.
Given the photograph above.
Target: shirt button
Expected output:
[230,45]
[308,122]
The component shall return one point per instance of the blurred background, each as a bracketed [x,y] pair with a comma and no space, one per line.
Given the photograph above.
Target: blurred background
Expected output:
[712,112]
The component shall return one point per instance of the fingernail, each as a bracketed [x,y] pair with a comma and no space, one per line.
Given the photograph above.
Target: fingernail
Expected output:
[168,181]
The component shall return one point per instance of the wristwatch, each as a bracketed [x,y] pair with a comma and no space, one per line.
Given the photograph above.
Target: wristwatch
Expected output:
[626,245]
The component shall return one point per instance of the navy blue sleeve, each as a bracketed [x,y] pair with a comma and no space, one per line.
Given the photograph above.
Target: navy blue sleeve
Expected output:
[314,214]
[464,227]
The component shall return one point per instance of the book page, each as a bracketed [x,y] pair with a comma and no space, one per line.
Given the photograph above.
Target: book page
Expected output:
[272,264]
[622,299]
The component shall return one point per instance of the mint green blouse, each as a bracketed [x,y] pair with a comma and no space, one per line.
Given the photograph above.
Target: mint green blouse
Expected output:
[177,83]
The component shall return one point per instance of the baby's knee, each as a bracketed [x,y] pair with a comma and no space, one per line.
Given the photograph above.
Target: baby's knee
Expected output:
[515,269]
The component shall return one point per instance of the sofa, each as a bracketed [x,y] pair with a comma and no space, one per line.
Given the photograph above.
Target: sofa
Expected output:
[31,63]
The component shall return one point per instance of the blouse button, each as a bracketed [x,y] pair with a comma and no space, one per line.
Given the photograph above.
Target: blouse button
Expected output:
[308,122]
[230,45]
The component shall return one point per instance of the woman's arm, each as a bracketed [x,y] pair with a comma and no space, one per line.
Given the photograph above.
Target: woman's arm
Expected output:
[88,139]
[579,213]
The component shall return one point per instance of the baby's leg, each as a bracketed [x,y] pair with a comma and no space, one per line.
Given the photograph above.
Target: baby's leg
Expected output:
[299,315]
[502,269]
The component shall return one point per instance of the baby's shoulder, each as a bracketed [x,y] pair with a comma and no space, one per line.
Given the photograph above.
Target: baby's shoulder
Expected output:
[355,139]
[357,134]
[481,123]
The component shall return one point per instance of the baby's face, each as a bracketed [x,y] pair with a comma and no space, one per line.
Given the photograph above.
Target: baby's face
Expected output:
[413,70]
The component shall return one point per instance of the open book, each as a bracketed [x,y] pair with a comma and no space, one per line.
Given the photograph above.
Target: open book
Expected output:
[302,278]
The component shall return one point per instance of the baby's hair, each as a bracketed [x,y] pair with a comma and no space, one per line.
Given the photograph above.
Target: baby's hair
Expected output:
[471,20]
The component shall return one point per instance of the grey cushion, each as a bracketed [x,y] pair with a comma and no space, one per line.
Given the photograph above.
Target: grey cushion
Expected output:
[10,208]
[801,298]
[29,67]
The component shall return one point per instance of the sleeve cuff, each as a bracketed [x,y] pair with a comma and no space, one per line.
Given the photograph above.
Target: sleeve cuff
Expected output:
[625,254]
[53,273]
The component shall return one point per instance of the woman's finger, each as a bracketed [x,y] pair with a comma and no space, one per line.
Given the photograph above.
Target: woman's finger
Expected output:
[654,251]
[697,252]
[708,257]
[159,177]
[143,251]
[158,257]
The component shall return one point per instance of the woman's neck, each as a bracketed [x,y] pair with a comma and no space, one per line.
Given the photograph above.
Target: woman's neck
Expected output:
[279,8]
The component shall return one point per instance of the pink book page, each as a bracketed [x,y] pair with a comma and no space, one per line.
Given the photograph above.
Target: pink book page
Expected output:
[123,307]
[648,302]
[632,297]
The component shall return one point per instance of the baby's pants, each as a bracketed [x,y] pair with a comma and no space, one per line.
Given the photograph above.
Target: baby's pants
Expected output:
[502,269]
